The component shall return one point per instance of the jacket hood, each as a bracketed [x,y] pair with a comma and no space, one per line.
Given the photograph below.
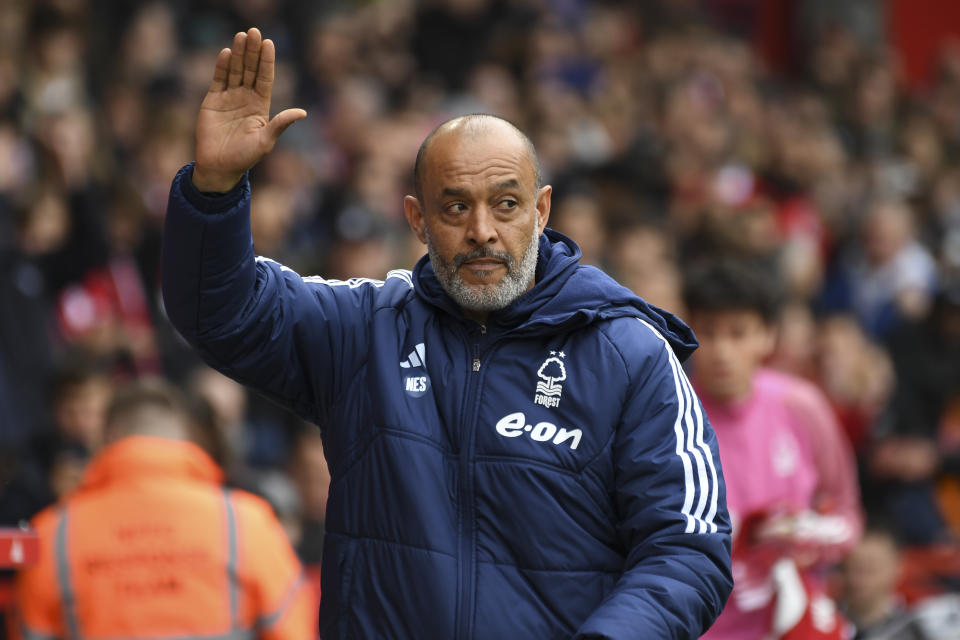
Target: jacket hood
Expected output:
[567,295]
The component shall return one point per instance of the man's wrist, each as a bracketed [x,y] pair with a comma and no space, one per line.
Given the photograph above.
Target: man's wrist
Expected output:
[210,201]
[214,182]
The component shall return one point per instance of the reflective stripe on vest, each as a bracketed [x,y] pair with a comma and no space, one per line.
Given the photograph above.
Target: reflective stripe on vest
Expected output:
[26,633]
[233,579]
[268,620]
[67,599]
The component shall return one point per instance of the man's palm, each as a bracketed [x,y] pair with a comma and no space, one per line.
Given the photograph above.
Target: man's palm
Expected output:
[234,129]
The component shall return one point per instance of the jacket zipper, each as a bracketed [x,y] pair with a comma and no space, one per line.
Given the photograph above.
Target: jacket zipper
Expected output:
[466,558]
[476,350]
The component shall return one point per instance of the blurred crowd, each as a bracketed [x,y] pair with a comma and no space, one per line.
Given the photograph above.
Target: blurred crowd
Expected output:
[665,135]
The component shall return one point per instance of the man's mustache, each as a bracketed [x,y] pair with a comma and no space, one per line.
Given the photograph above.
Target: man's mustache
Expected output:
[502,256]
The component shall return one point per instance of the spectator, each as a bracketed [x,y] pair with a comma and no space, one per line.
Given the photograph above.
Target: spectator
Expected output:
[911,447]
[643,258]
[311,476]
[51,462]
[791,477]
[81,395]
[891,279]
[280,493]
[855,374]
[869,592]
[579,216]
[152,546]
[227,402]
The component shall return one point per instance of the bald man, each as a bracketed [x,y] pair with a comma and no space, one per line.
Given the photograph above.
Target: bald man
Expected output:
[514,449]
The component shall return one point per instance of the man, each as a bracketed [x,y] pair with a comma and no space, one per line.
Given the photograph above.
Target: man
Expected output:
[514,449]
[916,447]
[152,546]
[790,474]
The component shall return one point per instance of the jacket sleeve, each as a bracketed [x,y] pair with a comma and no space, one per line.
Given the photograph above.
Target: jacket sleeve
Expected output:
[293,339]
[671,502]
[828,530]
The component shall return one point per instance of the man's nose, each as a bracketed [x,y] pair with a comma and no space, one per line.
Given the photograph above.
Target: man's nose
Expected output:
[481,229]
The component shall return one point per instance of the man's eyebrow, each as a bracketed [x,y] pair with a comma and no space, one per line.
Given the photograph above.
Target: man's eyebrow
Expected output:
[459,192]
[455,192]
[505,185]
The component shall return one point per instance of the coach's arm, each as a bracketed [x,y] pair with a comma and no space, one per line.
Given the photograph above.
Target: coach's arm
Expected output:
[671,497]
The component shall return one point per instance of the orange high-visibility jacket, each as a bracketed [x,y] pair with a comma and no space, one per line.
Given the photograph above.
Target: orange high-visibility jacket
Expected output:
[152,546]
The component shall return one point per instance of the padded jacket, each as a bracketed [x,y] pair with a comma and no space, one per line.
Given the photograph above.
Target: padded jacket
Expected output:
[548,474]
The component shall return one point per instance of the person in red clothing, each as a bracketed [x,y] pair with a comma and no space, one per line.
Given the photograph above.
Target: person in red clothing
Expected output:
[152,545]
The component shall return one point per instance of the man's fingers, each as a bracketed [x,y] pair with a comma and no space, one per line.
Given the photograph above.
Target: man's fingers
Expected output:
[235,76]
[219,82]
[283,120]
[264,81]
[251,57]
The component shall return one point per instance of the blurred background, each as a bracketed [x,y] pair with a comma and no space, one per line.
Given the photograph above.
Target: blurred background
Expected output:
[821,138]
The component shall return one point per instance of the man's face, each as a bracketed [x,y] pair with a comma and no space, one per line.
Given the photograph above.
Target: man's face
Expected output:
[81,412]
[733,344]
[480,216]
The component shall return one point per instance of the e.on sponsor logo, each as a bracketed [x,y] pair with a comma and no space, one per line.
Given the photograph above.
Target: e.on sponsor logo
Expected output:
[515,424]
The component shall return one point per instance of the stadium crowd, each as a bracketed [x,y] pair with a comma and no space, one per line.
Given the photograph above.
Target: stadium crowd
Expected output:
[664,133]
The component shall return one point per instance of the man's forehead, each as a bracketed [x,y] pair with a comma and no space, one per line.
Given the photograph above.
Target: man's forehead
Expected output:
[494,159]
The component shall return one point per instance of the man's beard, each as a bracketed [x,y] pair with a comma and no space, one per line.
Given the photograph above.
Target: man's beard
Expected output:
[486,297]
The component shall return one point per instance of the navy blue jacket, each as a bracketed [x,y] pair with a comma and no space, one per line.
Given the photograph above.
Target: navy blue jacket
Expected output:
[549,474]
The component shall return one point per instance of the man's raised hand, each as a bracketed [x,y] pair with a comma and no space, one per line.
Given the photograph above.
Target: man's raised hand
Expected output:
[234,129]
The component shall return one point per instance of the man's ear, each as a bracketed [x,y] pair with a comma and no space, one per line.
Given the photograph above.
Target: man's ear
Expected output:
[414,213]
[543,206]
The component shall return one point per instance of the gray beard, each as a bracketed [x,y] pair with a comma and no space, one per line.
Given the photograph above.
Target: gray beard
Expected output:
[486,297]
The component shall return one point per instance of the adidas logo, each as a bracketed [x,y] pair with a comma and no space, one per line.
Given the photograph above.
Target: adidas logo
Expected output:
[417,357]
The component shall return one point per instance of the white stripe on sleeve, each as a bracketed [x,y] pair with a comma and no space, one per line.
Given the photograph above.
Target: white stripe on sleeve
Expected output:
[690,443]
[353,283]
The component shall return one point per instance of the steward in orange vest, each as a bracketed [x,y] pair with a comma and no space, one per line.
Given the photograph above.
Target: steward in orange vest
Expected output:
[153,546]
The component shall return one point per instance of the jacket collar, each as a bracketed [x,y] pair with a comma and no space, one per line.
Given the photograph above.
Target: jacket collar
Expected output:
[558,257]
[566,296]
[142,456]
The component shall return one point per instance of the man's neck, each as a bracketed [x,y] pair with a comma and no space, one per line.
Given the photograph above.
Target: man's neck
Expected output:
[480,317]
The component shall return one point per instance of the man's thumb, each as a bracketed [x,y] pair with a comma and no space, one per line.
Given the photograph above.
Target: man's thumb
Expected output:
[283,120]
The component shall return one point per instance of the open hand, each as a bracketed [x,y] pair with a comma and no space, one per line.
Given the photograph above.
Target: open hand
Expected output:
[234,129]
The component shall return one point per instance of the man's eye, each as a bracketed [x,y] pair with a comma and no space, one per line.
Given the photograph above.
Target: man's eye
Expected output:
[456,207]
[509,203]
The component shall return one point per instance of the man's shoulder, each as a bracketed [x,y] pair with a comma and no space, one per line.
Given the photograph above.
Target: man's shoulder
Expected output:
[642,349]
[396,279]
[394,289]
[634,336]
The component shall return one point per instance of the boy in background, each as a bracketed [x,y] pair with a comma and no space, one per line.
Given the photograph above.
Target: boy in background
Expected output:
[791,477]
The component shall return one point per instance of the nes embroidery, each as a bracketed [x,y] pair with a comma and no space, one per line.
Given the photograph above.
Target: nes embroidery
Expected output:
[416,383]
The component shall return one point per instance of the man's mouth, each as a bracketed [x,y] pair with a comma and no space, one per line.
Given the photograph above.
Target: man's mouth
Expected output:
[483,264]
